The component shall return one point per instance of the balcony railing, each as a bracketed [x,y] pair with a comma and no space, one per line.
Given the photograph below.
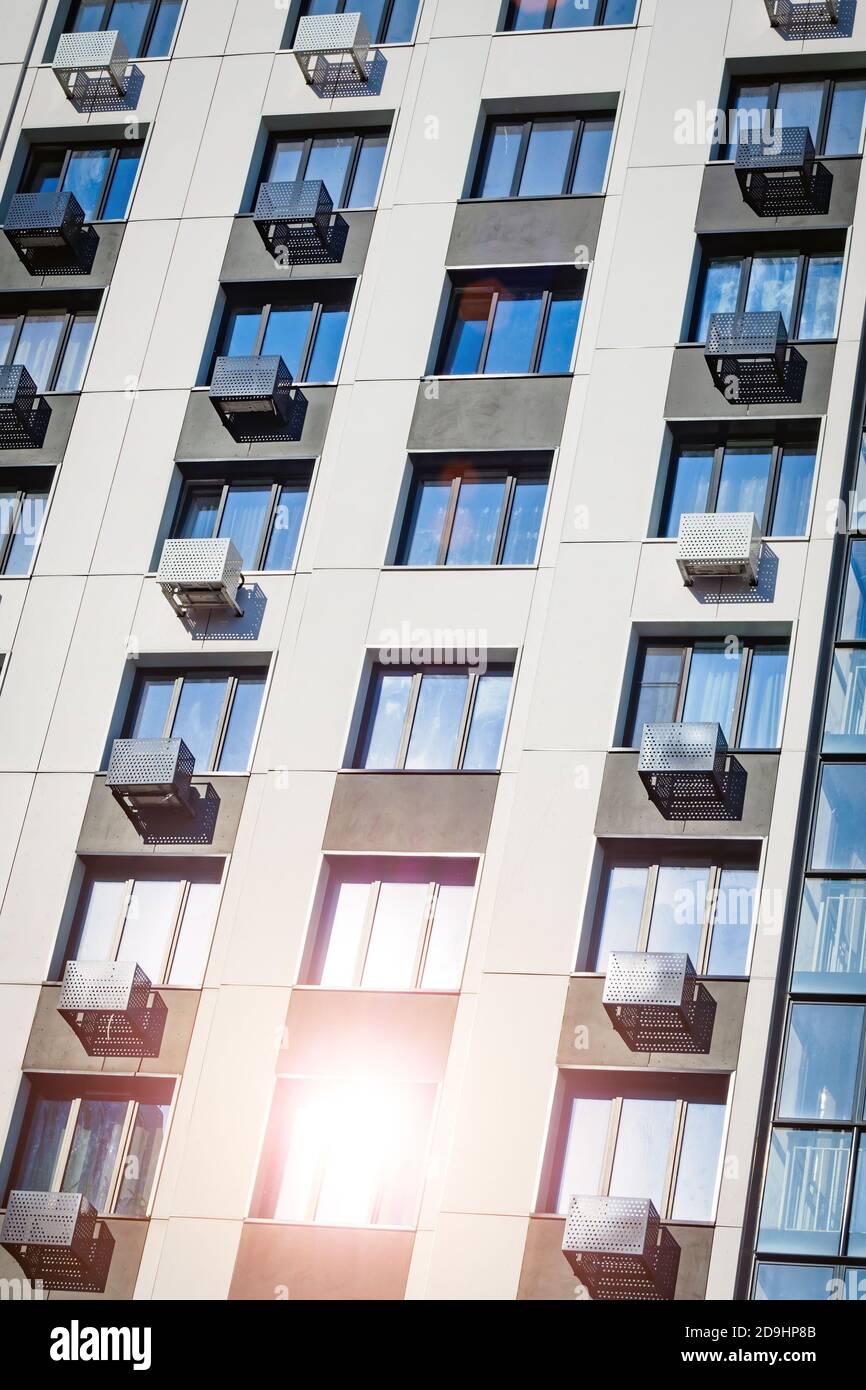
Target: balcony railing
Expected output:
[200,574]
[746,339]
[58,1241]
[683,766]
[294,220]
[655,1003]
[40,223]
[112,1008]
[23,419]
[151,774]
[619,1250]
[324,37]
[784,14]
[255,390]
[89,55]
[715,545]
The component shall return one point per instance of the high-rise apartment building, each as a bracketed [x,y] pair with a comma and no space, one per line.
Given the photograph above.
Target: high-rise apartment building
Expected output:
[433,636]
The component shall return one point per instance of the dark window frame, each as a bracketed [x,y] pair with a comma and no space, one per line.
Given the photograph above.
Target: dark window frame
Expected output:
[225,482]
[773,87]
[460,283]
[777,447]
[146,33]
[68,151]
[458,471]
[746,261]
[358,134]
[598,22]
[417,673]
[231,674]
[578,122]
[318,296]
[387,12]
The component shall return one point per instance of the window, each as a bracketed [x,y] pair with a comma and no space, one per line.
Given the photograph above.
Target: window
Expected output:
[434,719]
[52,343]
[101,1137]
[100,176]
[831,938]
[838,840]
[345,1153]
[23,502]
[146,26]
[160,917]
[389,21]
[689,901]
[475,512]
[393,924]
[832,110]
[737,684]
[515,323]
[804,1193]
[544,156]
[568,14]
[263,517]
[214,712]
[772,480]
[797,1283]
[804,289]
[349,163]
[619,1135]
[305,328]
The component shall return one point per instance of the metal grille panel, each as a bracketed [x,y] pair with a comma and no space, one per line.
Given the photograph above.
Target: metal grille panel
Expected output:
[326,36]
[200,574]
[785,14]
[746,335]
[108,986]
[294,219]
[789,148]
[663,979]
[261,387]
[719,544]
[53,1236]
[23,421]
[617,1247]
[100,52]
[149,762]
[112,1008]
[675,748]
[655,1003]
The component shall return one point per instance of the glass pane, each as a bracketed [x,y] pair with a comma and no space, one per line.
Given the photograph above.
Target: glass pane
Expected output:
[163,30]
[857,1228]
[528,14]
[853,623]
[285,161]
[71,373]
[395,940]
[387,718]
[804,1194]
[102,905]
[429,507]
[130,18]
[238,742]
[152,706]
[623,909]
[592,156]
[436,727]
[746,114]
[120,189]
[845,127]
[28,533]
[446,951]
[547,158]
[199,514]
[402,21]
[714,674]
[85,176]
[368,171]
[821,1062]
[45,1132]
[794,1283]
[799,104]
[831,941]
[658,689]
[476,522]
[697,1172]
[329,161]
[643,1146]
[560,333]
[763,711]
[678,911]
[43,171]
[574,14]
[791,510]
[372,10]
[771,286]
[198,715]
[466,335]
[818,314]
[840,823]
[588,1125]
[344,936]
[488,720]
[732,922]
[515,325]
[286,528]
[193,947]
[524,523]
[89,16]
[619,12]
[7,333]
[38,344]
[500,159]
[690,487]
[743,482]
[286,334]
[240,333]
[243,521]
[721,286]
[142,1157]
[150,921]
[95,1142]
[329,341]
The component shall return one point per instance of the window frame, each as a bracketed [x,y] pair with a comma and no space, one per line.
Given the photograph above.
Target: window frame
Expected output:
[146,33]
[746,262]
[225,482]
[70,317]
[776,445]
[598,23]
[387,12]
[533,278]
[231,674]
[473,675]
[512,469]
[358,134]
[319,301]
[68,151]
[24,485]
[578,123]
[858,1099]
[829,84]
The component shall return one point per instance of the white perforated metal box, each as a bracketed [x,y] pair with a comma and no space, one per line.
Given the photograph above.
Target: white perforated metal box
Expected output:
[105,986]
[200,574]
[785,13]
[660,979]
[151,772]
[86,54]
[53,1236]
[112,1008]
[719,545]
[618,1249]
[686,748]
[327,36]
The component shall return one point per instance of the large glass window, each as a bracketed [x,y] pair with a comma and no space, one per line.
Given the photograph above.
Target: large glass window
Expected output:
[739,685]
[463,512]
[52,343]
[22,516]
[389,21]
[263,517]
[514,323]
[795,1283]
[100,176]
[434,719]
[568,14]
[146,26]
[393,924]
[804,1193]
[349,163]
[774,481]
[831,938]
[822,1059]
[215,713]
[804,289]
[832,110]
[306,331]
[544,156]
[839,838]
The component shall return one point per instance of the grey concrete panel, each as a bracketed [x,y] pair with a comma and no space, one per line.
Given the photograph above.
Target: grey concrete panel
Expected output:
[53,1046]
[723,209]
[692,393]
[411,813]
[247,257]
[204,436]
[625,809]
[546,1274]
[129,1238]
[493,413]
[524,231]
[108,830]
[53,447]
[321,1262]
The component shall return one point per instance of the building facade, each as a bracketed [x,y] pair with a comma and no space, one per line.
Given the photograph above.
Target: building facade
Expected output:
[430,438]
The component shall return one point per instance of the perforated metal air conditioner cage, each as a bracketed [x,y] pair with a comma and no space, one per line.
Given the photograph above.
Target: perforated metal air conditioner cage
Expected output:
[655,1003]
[719,545]
[200,574]
[686,764]
[23,420]
[151,773]
[53,1236]
[616,1247]
[102,52]
[294,219]
[785,148]
[328,36]
[44,222]
[783,14]
[252,386]
[112,1008]
[735,340]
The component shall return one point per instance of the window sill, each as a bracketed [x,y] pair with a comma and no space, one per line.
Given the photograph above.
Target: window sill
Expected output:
[565,29]
[791,342]
[323,1225]
[533,198]
[425,771]
[458,569]
[365,990]
[497,376]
